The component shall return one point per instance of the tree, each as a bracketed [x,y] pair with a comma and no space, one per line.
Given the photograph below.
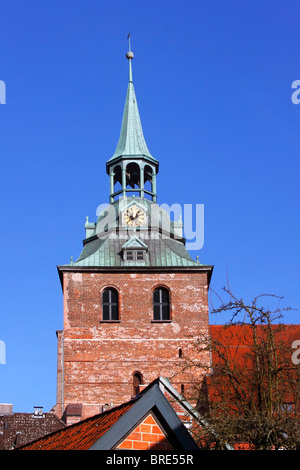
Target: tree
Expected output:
[250,394]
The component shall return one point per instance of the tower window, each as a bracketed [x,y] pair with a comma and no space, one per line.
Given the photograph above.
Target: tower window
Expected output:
[161,304]
[110,304]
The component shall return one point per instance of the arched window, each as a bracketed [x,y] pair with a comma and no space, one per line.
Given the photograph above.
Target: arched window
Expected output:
[133,175]
[117,178]
[110,304]
[161,304]
[137,380]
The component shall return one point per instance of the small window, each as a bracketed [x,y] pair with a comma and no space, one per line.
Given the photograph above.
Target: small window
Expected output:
[110,305]
[287,407]
[161,304]
[129,255]
[134,255]
[139,255]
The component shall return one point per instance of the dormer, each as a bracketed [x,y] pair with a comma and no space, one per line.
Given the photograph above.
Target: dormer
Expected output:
[134,250]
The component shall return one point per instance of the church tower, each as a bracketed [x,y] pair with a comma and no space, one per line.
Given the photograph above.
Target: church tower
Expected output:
[134,300]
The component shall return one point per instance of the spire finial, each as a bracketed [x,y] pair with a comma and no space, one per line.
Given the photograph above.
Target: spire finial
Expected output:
[129,56]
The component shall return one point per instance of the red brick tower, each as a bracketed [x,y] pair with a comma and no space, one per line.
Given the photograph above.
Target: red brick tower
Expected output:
[134,299]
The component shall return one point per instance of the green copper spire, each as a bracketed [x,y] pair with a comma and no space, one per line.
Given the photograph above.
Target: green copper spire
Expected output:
[132,165]
[131,141]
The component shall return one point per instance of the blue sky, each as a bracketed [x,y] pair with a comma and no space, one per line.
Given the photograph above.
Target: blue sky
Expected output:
[213,83]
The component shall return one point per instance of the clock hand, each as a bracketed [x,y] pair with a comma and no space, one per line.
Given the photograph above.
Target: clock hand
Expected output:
[135,216]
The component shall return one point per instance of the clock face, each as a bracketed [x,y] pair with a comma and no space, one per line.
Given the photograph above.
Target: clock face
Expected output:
[134,216]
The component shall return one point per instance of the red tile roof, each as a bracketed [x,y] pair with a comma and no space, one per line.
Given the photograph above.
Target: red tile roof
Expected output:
[235,343]
[82,435]
[241,335]
[238,339]
[20,428]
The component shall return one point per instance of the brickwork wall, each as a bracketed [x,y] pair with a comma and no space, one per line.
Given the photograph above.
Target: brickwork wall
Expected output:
[98,359]
[147,436]
[58,409]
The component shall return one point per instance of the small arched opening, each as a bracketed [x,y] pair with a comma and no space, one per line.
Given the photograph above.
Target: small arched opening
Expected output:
[137,380]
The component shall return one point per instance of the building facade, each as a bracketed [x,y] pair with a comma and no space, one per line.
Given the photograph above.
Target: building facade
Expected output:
[134,300]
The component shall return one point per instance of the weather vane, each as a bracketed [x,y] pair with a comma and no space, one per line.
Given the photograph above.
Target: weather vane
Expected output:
[128,37]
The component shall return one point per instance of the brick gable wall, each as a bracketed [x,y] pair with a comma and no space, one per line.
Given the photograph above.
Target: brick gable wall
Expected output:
[147,436]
